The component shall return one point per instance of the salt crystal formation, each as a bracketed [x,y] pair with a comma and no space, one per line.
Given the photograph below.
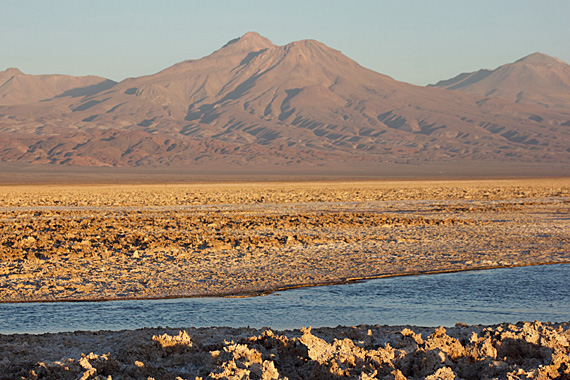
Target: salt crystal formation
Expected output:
[522,351]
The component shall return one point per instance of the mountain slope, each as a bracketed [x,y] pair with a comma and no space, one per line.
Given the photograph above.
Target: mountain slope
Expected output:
[534,79]
[254,103]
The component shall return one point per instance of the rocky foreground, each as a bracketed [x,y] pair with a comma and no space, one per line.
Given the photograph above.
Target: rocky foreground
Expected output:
[522,351]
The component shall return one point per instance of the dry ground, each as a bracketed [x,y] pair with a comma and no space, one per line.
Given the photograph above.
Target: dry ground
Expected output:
[137,241]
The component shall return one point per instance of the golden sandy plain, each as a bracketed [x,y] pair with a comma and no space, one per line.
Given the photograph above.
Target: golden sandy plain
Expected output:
[96,242]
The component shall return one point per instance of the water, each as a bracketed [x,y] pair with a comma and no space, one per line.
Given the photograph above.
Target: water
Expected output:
[478,297]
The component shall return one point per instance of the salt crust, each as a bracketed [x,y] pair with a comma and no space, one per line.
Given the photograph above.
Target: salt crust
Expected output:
[507,351]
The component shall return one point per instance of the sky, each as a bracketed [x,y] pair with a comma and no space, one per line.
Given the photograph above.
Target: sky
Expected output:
[415,41]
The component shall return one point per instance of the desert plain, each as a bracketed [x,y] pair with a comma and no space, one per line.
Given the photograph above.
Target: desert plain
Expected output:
[108,242]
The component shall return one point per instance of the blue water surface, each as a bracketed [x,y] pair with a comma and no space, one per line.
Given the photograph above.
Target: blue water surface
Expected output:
[475,297]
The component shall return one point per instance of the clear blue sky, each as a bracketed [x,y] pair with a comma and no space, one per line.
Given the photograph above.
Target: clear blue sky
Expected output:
[416,41]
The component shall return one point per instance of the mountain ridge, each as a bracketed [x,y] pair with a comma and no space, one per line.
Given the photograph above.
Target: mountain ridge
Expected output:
[255,103]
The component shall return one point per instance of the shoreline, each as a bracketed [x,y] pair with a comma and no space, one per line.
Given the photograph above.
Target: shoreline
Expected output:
[264,292]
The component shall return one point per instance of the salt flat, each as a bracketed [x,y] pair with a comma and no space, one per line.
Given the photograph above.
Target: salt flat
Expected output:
[153,241]
[92,242]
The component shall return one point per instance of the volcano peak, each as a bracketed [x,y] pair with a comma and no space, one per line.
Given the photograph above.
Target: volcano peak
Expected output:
[252,41]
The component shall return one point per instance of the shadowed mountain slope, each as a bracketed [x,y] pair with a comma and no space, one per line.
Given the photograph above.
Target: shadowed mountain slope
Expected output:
[254,103]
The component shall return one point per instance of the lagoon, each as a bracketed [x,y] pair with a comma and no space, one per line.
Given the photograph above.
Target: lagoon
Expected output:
[471,297]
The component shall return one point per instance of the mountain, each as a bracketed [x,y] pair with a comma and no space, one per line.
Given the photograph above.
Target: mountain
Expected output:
[19,88]
[534,79]
[252,103]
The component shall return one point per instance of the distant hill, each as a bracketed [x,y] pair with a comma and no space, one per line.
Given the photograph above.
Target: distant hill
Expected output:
[19,88]
[534,79]
[252,103]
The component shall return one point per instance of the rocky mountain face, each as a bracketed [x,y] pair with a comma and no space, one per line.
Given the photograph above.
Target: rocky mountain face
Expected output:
[254,103]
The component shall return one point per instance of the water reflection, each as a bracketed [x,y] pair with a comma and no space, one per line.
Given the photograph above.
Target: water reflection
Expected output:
[478,297]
